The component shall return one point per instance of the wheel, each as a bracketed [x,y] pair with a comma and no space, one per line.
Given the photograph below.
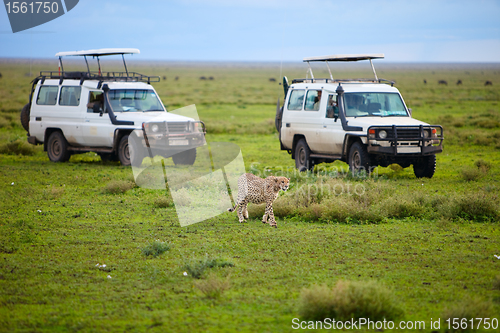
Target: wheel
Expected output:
[123,151]
[185,158]
[108,157]
[303,160]
[57,147]
[137,150]
[25,117]
[359,159]
[425,167]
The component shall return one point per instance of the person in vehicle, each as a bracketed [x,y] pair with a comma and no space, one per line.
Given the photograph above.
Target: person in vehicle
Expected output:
[332,109]
[96,102]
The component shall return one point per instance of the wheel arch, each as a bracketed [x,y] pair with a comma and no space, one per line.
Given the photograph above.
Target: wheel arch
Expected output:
[48,132]
[119,134]
[296,139]
[349,140]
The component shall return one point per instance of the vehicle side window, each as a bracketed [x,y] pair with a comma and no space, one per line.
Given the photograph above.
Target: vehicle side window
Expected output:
[296,100]
[47,95]
[96,102]
[70,96]
[332,110]
[313,99]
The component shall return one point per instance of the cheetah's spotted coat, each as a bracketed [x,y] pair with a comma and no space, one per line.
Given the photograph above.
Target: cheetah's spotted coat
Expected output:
[257,190]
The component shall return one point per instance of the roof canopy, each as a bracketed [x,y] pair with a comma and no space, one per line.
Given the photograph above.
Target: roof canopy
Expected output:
[97,52]
[345,57]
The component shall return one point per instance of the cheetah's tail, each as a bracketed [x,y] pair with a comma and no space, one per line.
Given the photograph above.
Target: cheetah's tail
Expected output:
[232,209]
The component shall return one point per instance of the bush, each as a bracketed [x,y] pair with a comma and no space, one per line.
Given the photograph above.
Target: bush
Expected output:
[119,186]
[471,174]
[196,268]
[283,207]
[155,249]
[476,207]
[164,202]
[396,168]
[17,147]
[483,165]
[401,207]
[317,303]
[348,300]
[468,309]
[348,209]
[213,287]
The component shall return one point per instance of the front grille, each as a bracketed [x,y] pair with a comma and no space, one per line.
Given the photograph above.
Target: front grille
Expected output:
[172,127]
[404,133]
[178,127]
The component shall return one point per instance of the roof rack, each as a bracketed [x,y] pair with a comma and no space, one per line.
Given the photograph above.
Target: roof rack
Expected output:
[343,81]
[109,76]
[101,76]
[344,58]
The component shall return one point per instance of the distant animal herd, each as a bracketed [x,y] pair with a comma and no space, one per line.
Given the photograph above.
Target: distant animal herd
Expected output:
[459,82]
[272,79]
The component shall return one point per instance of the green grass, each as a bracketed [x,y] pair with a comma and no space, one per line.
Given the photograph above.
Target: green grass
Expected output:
[430,242]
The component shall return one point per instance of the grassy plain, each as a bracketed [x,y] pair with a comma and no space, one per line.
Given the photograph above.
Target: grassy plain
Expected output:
[431,242]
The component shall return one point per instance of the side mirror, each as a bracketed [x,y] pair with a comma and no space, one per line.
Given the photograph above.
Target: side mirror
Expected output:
[409,110]
[96,108]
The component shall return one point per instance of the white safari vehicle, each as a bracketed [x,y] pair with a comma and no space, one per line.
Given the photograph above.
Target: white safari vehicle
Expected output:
[110,113]
[363,122]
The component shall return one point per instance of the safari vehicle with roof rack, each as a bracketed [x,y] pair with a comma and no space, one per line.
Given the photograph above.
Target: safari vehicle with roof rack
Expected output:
[118,115]
[364,122]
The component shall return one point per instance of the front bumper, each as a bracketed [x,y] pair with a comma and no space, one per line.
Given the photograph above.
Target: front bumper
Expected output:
[168,143]
[405,140]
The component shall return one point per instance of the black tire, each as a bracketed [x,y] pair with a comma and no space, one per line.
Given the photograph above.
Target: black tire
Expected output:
[359,159]
[57,147]
[185,158]
[425,167]
[123,151]
[25,117]
[108,157]
[303,160]
[136,150]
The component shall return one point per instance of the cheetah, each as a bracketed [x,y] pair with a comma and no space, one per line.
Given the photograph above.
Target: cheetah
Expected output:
[257,190]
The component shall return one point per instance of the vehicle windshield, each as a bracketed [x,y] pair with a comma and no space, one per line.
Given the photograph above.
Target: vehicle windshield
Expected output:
[134,100]
[374,105]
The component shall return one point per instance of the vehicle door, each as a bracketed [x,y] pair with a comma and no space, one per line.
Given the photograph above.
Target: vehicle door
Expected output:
[314,102]
[98,131]
[291,116]
[331,132]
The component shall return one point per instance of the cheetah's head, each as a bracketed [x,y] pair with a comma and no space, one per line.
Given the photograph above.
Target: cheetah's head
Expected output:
[282,183]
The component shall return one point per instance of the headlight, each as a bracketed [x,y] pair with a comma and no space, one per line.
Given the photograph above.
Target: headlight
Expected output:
[426,134]
[198,128]
[154,128]
[382,134]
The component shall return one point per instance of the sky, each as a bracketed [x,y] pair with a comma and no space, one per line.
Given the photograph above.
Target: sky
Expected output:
[268,30]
